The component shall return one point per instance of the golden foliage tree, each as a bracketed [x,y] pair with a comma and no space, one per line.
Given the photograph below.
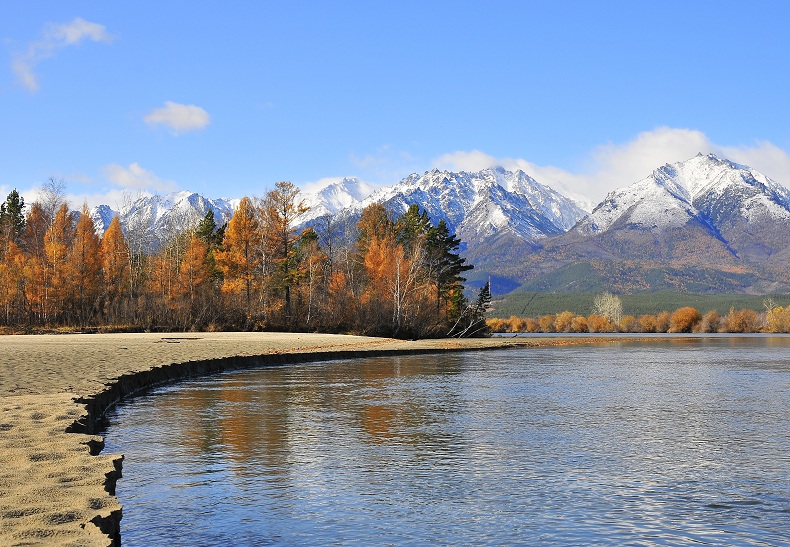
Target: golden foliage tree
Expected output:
[278,210]
[564,321]
[684,319]
[777,319]
[193,279]
[57,244]
[84,267]
[12,267]
[240,255]
[116,268]
[740,321]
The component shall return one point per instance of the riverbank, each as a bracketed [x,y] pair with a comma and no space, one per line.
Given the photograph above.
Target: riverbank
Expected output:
[55,485]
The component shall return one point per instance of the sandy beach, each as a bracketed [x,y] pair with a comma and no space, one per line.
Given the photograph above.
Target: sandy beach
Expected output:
[56,487]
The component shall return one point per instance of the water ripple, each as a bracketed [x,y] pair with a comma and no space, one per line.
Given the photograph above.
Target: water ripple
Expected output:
[639,444]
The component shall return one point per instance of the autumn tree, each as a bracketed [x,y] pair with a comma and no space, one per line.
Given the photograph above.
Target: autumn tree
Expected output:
[311,270]
[192,281]
[84,265]
[57,244]
[710,322]
[684,319]
[599,323]
[663,322]
[240,255]
[278,210]
[628,323]
[36,272]
[12,267]
[609,306]
[375,242]
[579,324]
[777,318]
[547,322]
[52,197]
[563,321]
[740,321]
[647,323]
[116,269]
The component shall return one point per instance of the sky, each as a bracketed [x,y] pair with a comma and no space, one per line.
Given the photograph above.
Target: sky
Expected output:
[225,99]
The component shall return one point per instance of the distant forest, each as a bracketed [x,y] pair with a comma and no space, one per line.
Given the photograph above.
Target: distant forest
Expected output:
[394,277]
[610,313]
[536,304]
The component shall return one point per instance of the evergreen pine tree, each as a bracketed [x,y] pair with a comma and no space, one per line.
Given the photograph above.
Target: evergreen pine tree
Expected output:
[12,220]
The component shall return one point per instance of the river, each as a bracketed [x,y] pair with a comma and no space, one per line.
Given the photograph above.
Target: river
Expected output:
[667,442]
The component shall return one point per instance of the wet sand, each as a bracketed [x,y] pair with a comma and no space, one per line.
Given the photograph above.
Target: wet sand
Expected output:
[56,488]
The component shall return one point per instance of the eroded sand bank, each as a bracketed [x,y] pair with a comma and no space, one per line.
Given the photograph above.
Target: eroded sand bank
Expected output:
[54,490]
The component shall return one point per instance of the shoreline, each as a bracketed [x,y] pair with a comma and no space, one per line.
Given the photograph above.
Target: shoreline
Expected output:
[56,486]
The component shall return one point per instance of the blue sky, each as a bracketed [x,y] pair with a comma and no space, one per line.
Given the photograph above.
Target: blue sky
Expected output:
[228,98]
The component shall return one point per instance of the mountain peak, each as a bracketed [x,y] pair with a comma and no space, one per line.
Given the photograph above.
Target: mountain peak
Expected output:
[704,188]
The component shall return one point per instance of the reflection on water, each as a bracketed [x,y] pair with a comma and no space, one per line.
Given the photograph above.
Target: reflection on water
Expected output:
[672,442]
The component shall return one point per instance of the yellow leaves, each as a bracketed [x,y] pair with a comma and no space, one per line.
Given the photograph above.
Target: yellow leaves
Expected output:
[241,252]
[115,259]
[193,272]
[11,270]
[777,319]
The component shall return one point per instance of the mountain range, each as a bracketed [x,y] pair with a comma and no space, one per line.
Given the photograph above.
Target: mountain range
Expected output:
[701,225]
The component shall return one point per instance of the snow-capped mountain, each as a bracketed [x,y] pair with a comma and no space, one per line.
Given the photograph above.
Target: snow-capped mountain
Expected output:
[483,204]
[345,193]
[702,225]
[713,191]
[150,220]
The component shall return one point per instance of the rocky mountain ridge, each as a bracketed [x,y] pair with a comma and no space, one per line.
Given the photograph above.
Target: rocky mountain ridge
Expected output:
[705,225]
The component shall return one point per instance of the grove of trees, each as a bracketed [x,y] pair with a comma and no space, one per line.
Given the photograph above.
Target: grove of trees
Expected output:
[608,317]
[381,276]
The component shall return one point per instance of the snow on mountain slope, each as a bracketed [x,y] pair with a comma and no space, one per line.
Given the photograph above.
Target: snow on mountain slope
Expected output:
[484,203]
[705,188]
[342,194]
[155,218]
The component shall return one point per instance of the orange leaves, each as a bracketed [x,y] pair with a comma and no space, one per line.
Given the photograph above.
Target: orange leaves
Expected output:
[11,279]
[115,260]
[684,319]
[84,264]
[194,271]
[241,253]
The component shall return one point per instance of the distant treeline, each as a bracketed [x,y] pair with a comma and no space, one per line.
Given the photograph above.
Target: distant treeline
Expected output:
[608,316]
[536,304]
[382,276]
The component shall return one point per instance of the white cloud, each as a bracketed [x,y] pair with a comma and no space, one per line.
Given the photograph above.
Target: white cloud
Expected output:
[135,177]
[612,166]
[179,118]
[55,38]
[764,156]
[77,31]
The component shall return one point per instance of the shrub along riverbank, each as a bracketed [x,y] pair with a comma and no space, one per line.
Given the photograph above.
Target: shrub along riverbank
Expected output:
[774,319]
[532,304]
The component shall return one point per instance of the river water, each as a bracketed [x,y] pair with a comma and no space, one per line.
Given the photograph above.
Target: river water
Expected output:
[672,442]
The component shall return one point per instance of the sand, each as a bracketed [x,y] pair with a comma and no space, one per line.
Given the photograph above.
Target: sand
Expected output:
[56,488]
